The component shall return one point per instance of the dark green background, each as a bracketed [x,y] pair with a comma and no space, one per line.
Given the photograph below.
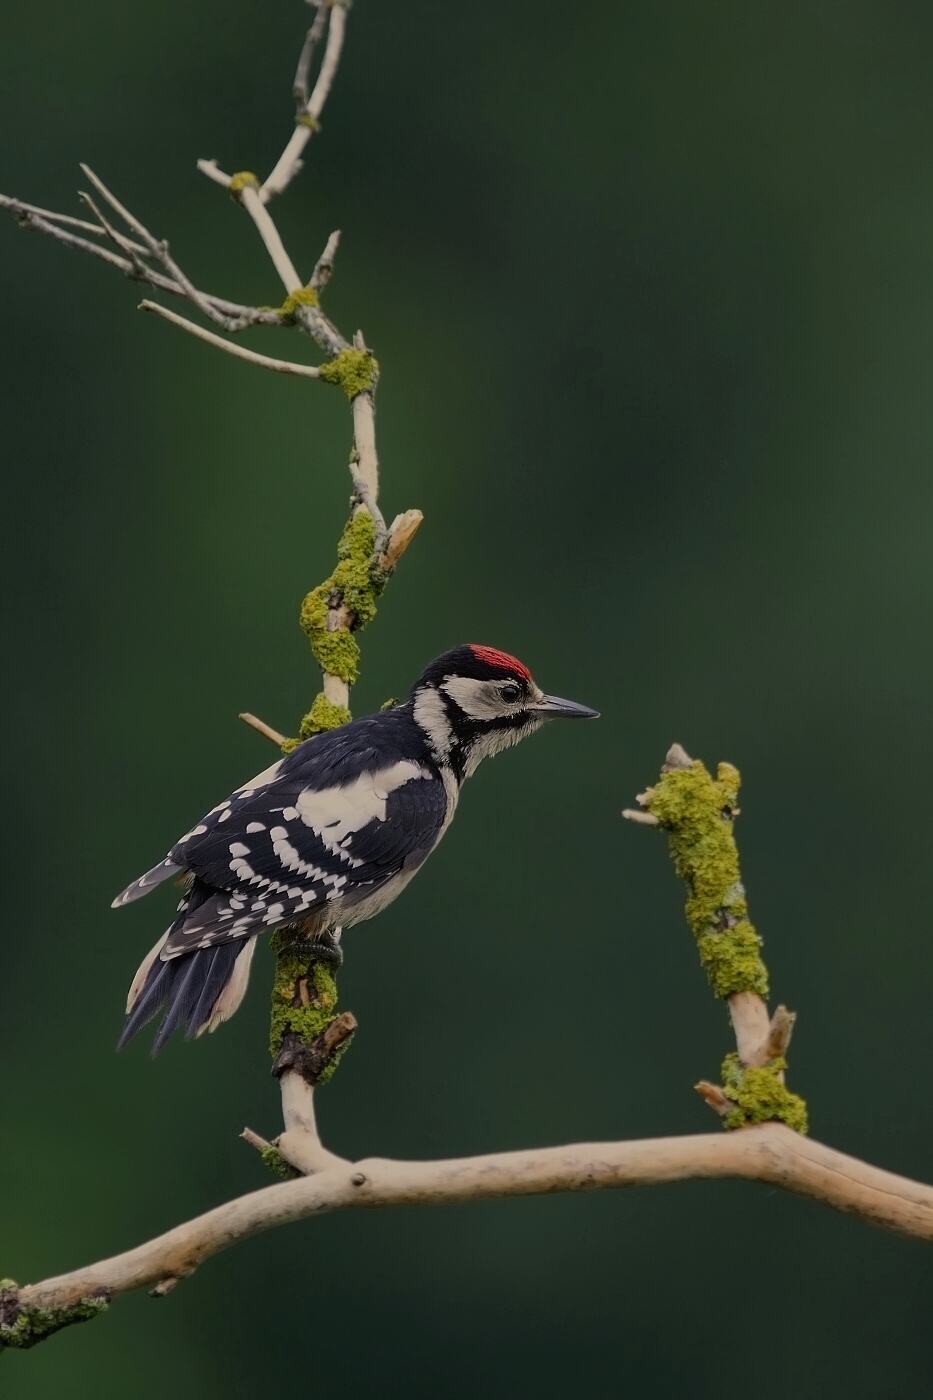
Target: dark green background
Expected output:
[652,289]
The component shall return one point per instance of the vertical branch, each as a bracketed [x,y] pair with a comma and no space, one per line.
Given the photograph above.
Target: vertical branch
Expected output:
[308,119]
[698,813]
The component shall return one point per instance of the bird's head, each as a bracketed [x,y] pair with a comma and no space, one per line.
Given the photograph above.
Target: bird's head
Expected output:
[474,701]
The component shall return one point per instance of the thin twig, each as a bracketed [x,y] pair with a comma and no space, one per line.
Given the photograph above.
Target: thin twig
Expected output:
[159,249]
[400,535]
[300,85]
[212,170]
[239,317]
[264,361]
[769,1153]
[249,198]
[324,266]
[289,162]
[262,728]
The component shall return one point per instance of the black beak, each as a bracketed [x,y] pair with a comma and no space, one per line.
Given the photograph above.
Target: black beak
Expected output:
[553,707]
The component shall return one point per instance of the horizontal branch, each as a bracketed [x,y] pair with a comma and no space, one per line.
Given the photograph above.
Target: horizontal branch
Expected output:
[770,1153]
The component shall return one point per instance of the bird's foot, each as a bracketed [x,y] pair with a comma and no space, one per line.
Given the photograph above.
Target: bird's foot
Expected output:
[327,949]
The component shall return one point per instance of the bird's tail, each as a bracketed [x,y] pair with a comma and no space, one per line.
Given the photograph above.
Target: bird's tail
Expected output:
[197,991]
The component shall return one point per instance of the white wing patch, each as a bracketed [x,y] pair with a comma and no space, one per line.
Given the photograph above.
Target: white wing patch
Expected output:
[335,813]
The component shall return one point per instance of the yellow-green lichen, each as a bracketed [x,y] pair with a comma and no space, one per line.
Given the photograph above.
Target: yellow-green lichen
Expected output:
[697,811]
[273,1159]
[760,1096]
[304,992]
[304,998]
[243,180]
[306,119]
[356,371]
[304,296]
[322,716]
[22,1327]
[354,585]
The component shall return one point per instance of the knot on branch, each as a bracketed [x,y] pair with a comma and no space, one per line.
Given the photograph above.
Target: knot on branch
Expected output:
[317,1061]
[304,296]
[759,1095]
[353,587]
[24,1326]
[243,180]
[306,119]
[697,811]
[305,1034]
[355,371]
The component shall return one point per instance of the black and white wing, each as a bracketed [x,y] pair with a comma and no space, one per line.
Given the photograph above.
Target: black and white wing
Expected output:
[312,838]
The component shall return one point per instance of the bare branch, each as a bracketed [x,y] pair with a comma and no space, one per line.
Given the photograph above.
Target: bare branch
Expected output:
[751,1023]
[159,250]
[324,266]
[401,533]
[300,85]
[249,198]
[265,729]
[289,162]
[241,353]
[770,1153]
[632,814]
[212,170]
[239,317]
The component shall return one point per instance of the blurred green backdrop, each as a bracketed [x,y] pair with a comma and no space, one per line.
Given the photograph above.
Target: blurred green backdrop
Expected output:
[652,290]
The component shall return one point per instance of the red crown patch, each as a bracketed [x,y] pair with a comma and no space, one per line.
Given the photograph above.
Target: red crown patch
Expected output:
[492,657]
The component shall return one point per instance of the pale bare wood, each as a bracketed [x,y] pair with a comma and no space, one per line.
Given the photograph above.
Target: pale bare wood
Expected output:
[289,162]
[249,198]
[632,814]
[230,346]
[262,728]
[752,1026]
[400,535]
[770,1153]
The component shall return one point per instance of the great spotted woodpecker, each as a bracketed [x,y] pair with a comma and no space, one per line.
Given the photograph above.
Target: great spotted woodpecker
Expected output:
[329,835]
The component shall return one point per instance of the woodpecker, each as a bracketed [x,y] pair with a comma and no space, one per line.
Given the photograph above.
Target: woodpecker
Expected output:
[328,836]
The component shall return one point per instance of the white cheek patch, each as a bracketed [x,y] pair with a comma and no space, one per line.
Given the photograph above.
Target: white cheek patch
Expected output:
[478,699]
[335,813]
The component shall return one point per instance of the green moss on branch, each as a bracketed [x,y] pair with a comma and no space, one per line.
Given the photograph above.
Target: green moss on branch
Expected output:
[697,812]
[304,296]
[304,993]
[22,1327]
[355,371]
[760,1095]
[355,585]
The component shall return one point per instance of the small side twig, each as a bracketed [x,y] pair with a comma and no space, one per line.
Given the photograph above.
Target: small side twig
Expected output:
[300,85]
[262,728]
[289,162]
[241,353]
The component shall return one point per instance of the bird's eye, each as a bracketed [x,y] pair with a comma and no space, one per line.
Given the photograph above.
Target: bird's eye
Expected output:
[510,692]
